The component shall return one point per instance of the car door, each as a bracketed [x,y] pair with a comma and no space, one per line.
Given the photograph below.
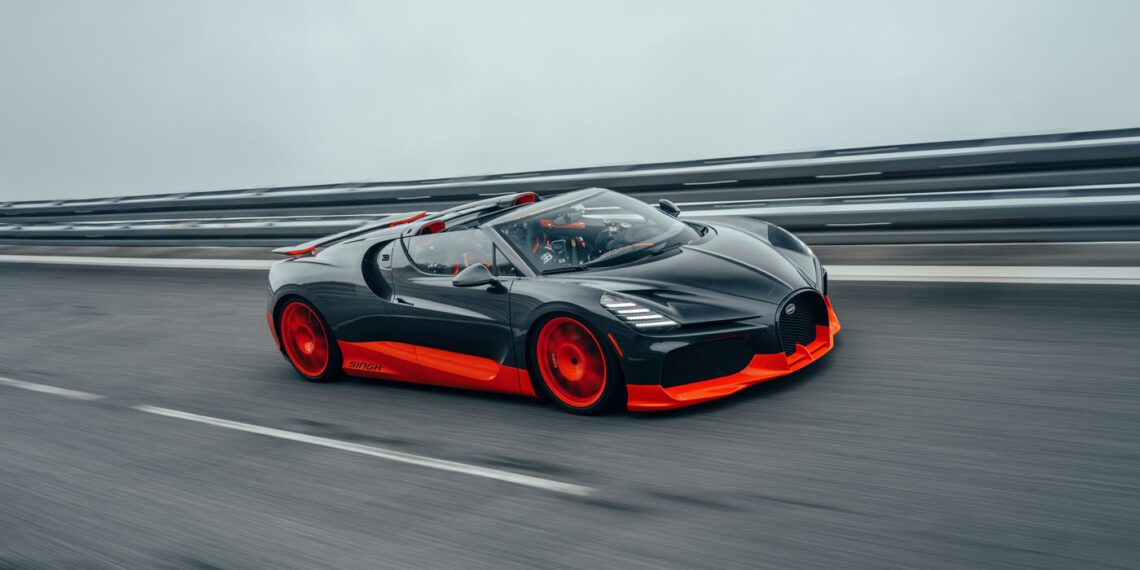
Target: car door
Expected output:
[461,335]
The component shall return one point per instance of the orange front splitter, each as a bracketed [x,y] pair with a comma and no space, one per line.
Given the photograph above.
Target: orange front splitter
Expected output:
[763,367]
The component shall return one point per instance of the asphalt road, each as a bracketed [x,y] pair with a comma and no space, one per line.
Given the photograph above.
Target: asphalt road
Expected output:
[955,426]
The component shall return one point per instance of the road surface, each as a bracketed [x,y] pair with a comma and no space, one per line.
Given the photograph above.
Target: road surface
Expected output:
[954,426]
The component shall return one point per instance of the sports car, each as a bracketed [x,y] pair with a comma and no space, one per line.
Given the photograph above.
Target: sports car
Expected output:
[591,299]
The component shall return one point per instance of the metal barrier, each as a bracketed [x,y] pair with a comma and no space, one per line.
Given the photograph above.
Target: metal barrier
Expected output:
[1071,187]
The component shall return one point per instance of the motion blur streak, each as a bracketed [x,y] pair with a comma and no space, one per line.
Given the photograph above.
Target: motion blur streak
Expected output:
[254,264]
[442,465]
[987,274]
[953,426]
[73,394]
[1076,275]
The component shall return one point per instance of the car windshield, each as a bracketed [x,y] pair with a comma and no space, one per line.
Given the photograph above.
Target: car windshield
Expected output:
[599,228]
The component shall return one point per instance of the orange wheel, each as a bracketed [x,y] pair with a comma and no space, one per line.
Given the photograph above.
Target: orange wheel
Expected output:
[572,364]
[307,342]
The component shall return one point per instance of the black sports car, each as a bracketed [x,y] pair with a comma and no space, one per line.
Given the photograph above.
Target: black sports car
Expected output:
[589,298]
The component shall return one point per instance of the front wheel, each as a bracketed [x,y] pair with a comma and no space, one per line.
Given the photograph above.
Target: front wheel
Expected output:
[574,368]
[308,343]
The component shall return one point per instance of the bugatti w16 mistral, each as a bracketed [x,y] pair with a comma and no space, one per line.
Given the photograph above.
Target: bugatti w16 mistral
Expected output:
[590,299]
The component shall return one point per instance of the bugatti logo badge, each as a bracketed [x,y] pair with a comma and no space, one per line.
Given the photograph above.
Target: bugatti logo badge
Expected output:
[790,309]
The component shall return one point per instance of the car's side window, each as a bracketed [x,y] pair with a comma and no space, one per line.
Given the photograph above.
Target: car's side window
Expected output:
[503,266]
[448,253]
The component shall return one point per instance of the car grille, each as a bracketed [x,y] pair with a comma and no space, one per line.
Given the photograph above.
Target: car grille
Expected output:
[799,327]
[706,360]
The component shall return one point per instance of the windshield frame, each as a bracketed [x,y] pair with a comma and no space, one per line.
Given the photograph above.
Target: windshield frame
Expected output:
[536,209]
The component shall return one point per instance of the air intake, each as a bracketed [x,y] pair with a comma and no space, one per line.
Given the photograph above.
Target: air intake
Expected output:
[798,318]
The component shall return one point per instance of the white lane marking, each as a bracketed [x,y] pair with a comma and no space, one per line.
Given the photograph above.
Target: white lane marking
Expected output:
[976,164]
[441,464]
[850,175]
[1066,275]
[97,223]
[884,199]
[66,393]
[707,183]
[730,160]
[1074,275]
[920,196]
[867,150]
[984,244]
[883,207]
[252,264]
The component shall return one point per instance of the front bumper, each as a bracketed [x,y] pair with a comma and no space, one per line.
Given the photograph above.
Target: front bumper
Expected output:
[763,367]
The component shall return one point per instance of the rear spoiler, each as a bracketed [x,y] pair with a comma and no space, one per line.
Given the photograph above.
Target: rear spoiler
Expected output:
[386,222]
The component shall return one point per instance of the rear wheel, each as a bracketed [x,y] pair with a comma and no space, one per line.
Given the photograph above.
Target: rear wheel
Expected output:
[574,368]
[308,343]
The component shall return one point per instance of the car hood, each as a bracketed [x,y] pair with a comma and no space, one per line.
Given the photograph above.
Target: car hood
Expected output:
[731,274]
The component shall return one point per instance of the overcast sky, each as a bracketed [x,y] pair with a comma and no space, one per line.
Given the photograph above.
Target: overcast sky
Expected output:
[112,97]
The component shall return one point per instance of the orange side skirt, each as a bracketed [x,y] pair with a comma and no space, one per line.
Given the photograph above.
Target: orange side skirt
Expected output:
[422,365]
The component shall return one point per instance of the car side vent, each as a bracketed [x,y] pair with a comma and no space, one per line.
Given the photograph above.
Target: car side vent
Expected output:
[705,361]
[375,267]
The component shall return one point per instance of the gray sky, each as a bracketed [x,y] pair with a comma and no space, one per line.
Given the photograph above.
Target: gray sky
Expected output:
[129,97]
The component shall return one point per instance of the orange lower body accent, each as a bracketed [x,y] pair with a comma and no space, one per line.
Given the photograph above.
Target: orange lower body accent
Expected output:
[763,367]
[273,329]
[423,365]
[525,386]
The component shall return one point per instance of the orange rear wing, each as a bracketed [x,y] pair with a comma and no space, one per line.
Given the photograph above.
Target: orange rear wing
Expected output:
[309,247]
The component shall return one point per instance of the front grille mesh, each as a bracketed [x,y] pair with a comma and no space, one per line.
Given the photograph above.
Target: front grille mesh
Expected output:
[718,358]
[799,327]
[705,361]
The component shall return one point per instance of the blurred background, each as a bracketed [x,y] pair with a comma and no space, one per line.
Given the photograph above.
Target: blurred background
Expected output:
[969,172]
[133,97]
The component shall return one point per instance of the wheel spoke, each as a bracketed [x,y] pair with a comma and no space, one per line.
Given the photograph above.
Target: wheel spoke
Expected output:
[571,362]
[557,337]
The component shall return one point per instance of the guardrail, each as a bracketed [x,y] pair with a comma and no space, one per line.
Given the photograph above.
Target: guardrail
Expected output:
[1069,187]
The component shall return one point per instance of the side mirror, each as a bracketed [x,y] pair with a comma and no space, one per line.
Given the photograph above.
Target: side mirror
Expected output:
[668,207]
[474,276]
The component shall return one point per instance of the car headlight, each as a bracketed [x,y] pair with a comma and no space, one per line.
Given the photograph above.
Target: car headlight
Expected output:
[635,315]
